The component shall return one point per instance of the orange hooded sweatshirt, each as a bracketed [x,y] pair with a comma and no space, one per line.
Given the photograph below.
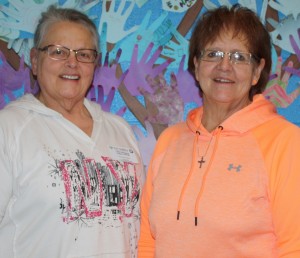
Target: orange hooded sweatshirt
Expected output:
[244,201]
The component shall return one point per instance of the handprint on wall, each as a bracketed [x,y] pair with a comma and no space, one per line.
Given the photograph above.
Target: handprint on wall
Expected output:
[187,85]
[175,50]
[296,48]
[96,93]
[283,29]
[146,33]
[276,90]
[166,98]
[107,74]
[115,20]
[286,7]
[139,69]
[14,82]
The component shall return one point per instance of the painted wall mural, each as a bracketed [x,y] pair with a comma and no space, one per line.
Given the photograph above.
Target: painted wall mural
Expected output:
[142,73]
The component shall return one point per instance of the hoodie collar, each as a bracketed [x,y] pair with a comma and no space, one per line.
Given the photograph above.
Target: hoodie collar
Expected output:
[258,112]
[30,102]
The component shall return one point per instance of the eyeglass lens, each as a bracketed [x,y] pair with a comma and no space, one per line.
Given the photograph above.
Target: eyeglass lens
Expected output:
[62,53]
[234,57]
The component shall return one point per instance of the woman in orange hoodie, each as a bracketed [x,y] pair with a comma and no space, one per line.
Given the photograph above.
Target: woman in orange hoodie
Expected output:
[227,182]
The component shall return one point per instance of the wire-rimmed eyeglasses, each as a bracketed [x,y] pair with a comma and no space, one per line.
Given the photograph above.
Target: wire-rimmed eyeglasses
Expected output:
[58,52]
[235,57]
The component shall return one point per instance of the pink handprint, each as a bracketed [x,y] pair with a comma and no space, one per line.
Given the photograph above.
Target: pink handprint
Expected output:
[276,90]
[187,85]
[138,70]
[166,98]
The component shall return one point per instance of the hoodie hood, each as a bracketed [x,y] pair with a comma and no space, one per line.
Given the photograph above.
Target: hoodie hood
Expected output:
[30,103]
[258,112]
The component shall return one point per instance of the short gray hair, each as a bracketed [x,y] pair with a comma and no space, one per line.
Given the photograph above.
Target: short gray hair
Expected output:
[55,14]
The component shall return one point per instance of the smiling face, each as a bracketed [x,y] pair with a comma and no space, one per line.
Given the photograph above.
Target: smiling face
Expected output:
[223,82]
[68,80]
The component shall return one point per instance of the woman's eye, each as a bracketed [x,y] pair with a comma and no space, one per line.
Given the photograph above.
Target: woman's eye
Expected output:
[213,54]
[58,52]
[84,55]
[238,56]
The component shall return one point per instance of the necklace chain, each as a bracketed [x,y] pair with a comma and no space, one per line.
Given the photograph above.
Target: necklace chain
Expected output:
[202,160]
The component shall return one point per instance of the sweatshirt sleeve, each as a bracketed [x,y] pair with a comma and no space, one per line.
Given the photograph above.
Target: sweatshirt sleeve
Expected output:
[284,181]
[146,243]
[5,178]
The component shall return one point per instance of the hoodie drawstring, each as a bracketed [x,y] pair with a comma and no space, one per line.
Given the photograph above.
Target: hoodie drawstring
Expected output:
[189,175]
[218,133]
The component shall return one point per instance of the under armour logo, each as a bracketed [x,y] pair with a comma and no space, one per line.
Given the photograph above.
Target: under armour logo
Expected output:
[237,168]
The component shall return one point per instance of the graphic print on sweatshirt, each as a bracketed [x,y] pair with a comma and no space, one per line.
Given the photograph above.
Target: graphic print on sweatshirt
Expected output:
[96,192]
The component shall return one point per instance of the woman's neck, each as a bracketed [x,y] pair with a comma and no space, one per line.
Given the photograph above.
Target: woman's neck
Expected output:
[215,114]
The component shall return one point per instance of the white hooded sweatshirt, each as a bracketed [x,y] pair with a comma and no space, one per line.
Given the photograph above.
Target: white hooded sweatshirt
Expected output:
[63,193]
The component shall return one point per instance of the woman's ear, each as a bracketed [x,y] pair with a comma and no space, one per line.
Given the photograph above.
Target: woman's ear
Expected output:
[196,64]
[33,60]
[257,71]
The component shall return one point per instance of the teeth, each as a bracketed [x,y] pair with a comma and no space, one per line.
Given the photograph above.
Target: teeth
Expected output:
[70,77]
[222,80]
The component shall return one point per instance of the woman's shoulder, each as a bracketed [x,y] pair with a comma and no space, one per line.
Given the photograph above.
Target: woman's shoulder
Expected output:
[172,133]
[280,126]
[14,112]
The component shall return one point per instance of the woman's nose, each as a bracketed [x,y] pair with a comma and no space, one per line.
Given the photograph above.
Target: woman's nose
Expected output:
[72,59]
[225,62]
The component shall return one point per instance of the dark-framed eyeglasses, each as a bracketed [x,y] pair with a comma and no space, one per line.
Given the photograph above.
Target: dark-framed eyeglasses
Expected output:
[58,52]
[235,57]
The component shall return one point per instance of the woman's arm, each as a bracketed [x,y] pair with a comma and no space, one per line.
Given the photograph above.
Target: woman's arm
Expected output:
[146,244]
[5,178]
[284,179]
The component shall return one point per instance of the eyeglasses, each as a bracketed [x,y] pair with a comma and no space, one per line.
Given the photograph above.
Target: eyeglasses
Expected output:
[57,52]
[235,57]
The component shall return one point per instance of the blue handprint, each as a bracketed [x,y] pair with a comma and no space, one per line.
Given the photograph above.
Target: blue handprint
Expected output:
[116,20]
[144,35]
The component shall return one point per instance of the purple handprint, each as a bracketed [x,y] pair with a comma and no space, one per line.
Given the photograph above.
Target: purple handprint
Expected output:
[187,85]
[106,74]
[138,70]
[97,94]
[297,51]
[13,82]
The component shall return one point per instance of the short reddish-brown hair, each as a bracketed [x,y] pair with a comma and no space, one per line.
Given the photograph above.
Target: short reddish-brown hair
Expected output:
[244,23]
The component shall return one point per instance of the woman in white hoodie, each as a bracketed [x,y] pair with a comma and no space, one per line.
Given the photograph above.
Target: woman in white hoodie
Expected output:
[71,174]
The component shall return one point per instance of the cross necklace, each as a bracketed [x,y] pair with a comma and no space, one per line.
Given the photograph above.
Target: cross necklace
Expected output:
[202,160]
